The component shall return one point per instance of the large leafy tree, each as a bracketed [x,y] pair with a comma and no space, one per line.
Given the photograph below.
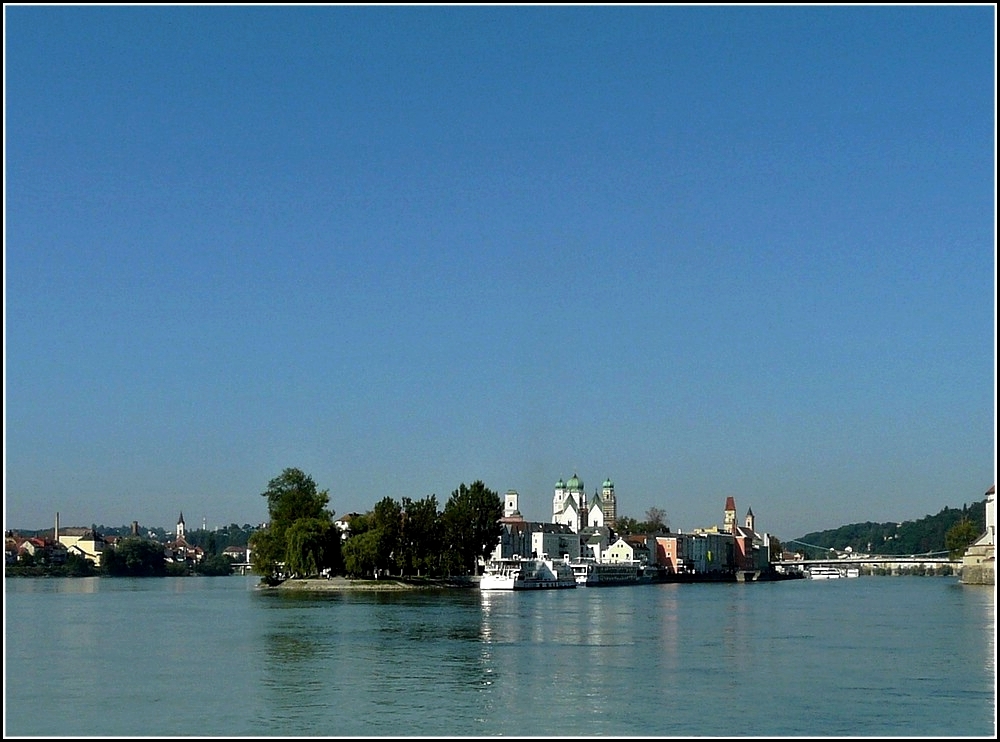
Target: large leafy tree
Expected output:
[361,553]
[300,537]
[311,545]
[267,553]
[394,536]
[387,524]
[420,538]
[471,520]
[293,495]
[959,536]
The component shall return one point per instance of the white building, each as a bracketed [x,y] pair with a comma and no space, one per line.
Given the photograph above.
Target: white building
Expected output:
[989,537]
[979,561]
[528,539]
[571,506]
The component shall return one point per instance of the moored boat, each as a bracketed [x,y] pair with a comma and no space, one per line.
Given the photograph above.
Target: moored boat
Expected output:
[832,572]
[820,572]
[527,574]
[591,573]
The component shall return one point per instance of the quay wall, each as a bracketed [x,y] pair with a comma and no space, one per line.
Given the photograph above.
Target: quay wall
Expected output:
[979,574]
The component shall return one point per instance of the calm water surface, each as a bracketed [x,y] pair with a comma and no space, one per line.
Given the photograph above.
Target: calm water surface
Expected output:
[873,656]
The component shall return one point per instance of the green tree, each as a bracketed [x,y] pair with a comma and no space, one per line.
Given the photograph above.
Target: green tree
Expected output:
[959,536]
[78,565]
[361,553]
[311,545]
[471,521]
[420,538]
[625,525]
[267,554]
[387,523]
[134,557]
[298,536]
[293,495]
[215,565]
[178,569]
[656,521]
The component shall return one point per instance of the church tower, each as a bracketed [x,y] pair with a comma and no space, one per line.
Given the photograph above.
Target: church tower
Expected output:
[510,504]
[729,522]
[569,503]
[558,501]
[180,526]
[574,488]
[749,520]
[608,504]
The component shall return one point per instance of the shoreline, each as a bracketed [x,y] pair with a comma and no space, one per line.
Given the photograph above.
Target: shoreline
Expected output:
[333,584]
[390,584]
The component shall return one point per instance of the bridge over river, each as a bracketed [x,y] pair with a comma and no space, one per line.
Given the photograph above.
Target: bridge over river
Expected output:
[894,562]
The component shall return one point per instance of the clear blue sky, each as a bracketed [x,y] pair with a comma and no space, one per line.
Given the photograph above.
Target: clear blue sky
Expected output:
[703,251]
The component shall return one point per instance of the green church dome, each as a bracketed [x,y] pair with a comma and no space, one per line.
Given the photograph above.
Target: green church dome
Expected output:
[574,483]
[608,483]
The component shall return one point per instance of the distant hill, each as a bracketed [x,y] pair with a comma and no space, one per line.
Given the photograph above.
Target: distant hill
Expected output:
[910,537]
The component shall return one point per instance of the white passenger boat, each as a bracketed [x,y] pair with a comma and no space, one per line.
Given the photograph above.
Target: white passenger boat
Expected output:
[819,572]
[527,574]
[591,573]
[831,572]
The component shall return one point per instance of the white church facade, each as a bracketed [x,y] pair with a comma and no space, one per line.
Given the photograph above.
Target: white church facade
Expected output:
[571,506]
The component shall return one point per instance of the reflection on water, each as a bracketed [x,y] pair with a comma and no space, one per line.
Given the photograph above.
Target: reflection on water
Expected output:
[74,586]
[893,656]
[383,661]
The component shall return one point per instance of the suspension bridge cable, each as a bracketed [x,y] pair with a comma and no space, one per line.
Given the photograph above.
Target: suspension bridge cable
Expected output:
[902,556]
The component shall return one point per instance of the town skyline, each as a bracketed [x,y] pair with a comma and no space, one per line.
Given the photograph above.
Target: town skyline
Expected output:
[203,522]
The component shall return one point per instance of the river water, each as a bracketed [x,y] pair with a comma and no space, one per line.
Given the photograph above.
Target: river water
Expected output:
[216,657]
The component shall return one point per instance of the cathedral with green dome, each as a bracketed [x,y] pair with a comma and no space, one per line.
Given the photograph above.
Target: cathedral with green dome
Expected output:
[571,507]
